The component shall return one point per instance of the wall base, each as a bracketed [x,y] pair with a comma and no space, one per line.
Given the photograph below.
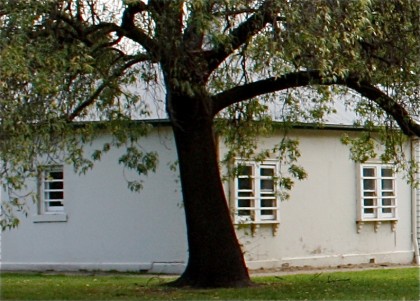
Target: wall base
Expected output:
[154,267]
[398,257]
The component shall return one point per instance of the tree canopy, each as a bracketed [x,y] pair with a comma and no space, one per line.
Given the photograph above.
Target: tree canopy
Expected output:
[68,61]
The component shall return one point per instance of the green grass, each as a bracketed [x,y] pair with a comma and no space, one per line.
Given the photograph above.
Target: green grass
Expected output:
[385,284]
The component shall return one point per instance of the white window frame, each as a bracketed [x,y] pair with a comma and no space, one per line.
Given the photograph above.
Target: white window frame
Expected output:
[255,194]
[373,193]
[47,185]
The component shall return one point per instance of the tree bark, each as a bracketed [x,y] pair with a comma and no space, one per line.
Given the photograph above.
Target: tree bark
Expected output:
[215,257]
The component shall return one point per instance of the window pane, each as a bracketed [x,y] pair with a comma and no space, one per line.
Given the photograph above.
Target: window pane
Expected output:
[267,185]
[369,184]
[55,204]
[387,202]
[54,185]
[368,210]
[267,172]
[387,193]
[368,202]
[386,210]
[245,194]
[368,172]
[369,193]
[387,172]
[268,203]
[244,203]
[55,175]
[267,212]
[54,195]
[244,212]
[245,183]
[244,170]
[387,184]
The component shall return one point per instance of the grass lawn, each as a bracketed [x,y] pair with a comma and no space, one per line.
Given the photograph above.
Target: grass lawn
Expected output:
[385,284]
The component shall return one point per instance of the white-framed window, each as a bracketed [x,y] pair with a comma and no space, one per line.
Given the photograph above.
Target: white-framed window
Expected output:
[51,189]
[256,192]
[378,192]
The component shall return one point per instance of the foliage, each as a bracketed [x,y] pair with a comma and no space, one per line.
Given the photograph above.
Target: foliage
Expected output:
[45,87]
[241,62]
[392,284]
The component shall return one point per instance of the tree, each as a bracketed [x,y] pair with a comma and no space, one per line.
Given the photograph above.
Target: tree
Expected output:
[69,60]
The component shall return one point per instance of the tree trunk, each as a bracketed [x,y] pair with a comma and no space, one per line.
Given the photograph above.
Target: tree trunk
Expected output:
[215,257]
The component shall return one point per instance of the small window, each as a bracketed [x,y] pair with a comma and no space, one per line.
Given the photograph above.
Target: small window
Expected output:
[51,194]
[378,197]
[255,192]
[53,189]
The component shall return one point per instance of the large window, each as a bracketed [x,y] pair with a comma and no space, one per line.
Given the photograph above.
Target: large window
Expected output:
[255,192]
[378,195]
[51,189]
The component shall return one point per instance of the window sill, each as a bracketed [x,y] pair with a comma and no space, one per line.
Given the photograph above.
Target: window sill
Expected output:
[373,219]
[255,226]
[377,223]
[50,218]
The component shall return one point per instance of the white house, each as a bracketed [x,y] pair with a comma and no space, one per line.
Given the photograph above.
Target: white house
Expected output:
[343,213]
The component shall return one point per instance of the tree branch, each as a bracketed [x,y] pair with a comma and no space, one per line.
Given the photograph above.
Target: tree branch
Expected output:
[269,85]
[94,96]
[84,34]
[403,118]
[241,34]
[304,78]
[194,33]
[131,31]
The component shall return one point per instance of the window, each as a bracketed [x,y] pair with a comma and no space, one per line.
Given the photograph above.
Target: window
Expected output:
[51,194]
[255,192]
[378,198]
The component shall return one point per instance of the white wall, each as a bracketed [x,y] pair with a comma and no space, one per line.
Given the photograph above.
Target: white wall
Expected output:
[318,222]
[109,227]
